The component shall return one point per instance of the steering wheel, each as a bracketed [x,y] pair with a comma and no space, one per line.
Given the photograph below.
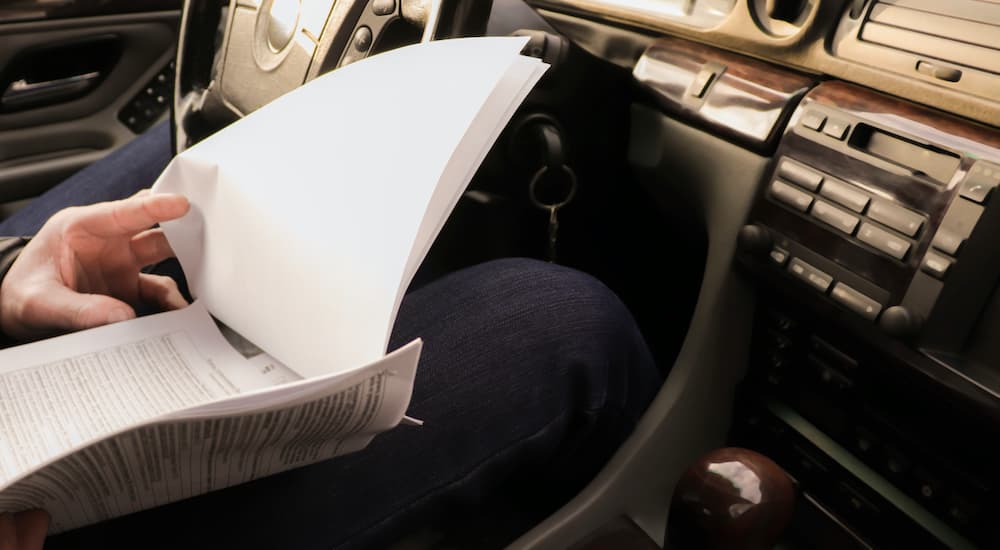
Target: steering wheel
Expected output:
[236,55]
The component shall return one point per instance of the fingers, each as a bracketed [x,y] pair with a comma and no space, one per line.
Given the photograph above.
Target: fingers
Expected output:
[160,290]
[8,532]
[56,308]
[24,530]
[151,247]
[131,215]
[31,528]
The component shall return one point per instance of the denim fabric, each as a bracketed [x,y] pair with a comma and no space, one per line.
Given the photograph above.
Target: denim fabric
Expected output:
[530,377]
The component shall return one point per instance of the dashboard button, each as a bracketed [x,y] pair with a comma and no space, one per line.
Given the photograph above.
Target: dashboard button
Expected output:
[813,120]
[845,194]
[947,242]
[856,301]
[897,247]
[702,81]
[362,39]
[816,278]
[980,181]
[836,128]
[383,7]
[779,256]
[835,217]
[900,219]
[936,265]
[798,174]
[791,196]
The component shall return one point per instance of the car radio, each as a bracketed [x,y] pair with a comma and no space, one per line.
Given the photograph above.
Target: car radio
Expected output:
[883,208]
[873,235]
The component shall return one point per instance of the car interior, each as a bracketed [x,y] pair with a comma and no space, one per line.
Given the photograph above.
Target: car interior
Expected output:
[793,198]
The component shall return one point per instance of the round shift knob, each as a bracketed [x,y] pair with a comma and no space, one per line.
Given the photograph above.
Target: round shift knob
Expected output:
[730,498]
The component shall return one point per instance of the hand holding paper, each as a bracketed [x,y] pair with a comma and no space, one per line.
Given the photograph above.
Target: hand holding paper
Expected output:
[82,270]
[307,222]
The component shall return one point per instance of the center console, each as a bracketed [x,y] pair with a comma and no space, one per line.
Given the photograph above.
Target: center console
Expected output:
[875,378]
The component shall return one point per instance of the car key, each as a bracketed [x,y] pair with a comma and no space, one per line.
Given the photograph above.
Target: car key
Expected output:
[552,193]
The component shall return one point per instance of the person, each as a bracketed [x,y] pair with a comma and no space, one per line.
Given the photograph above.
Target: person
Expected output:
[532,374]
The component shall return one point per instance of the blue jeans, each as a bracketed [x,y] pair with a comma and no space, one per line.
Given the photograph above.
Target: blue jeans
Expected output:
[531,376]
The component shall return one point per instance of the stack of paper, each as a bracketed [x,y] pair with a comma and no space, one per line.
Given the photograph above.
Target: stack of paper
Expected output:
[309,218]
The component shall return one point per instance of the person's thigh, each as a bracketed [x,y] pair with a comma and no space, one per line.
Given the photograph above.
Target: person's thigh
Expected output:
[531,375]
[132,167]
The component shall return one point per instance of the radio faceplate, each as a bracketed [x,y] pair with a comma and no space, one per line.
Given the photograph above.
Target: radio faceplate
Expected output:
[884,207]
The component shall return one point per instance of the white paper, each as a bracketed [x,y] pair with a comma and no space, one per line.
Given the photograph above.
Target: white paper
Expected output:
[162,408]
[309,219]
[311,215]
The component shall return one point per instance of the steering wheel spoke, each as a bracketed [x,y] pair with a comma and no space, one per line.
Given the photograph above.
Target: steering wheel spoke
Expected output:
[235,56]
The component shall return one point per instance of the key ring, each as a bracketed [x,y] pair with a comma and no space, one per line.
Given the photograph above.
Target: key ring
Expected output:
[533,187]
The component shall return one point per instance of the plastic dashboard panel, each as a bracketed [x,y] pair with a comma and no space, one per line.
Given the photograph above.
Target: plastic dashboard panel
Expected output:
[806,50]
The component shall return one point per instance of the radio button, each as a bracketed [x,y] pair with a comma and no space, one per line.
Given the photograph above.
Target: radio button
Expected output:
[936,265]
[798,174]
[900,219]
[856,301]
[813,120]
[791,196]
[883,240]
[814,277]
[836,128]
[982,178]
[947,242]
[844,194]
[834,216]
[779,256]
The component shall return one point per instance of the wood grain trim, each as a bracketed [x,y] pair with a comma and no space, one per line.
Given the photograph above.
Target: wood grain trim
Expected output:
[748,102]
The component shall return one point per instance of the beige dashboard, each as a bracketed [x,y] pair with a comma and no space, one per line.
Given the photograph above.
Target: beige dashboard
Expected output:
[806,44]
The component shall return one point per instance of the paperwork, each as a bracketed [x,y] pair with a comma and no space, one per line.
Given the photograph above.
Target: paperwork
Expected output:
[309,219]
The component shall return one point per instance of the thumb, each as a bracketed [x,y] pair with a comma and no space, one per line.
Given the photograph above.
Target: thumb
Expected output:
[31,528]
[63,309]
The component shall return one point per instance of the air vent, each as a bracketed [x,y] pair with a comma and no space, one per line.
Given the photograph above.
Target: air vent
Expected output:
[962,32]
[950,43]
[781,17]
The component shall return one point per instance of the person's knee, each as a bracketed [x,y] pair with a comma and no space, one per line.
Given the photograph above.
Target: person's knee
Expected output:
[577,322]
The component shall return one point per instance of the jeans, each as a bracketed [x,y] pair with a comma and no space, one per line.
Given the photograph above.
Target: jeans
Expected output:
[531,375]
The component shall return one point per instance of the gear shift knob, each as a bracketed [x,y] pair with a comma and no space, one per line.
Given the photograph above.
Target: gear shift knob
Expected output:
[730,498]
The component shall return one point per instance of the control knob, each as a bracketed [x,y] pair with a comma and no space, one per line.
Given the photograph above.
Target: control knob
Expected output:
[900,321]
[755,240]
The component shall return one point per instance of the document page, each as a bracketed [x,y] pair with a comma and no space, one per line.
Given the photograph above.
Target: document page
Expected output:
[333,192]
[53,400]
[162,408]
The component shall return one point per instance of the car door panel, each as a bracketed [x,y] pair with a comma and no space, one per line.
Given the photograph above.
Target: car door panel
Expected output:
[92,70]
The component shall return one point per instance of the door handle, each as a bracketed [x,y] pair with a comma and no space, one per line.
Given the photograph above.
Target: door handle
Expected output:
[22,94]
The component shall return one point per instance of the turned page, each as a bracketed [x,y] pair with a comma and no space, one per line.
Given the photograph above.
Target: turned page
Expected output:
[310,215]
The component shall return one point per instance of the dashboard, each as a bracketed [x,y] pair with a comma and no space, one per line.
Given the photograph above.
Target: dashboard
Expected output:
[833,38]
[868,235]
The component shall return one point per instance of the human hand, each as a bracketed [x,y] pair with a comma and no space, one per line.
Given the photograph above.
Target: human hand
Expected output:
[82,269]
[23,530]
